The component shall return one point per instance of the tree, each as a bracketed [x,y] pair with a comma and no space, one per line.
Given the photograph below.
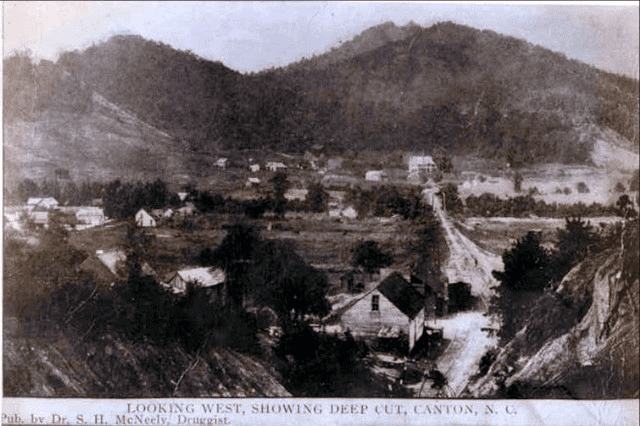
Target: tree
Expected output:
[233,255]
[517,182]
[625,207]
[26,189]
[280,186]
[525,265]
[371,257]
[524,278]
[450,198]
[573,243]
[442,159]
[317,198]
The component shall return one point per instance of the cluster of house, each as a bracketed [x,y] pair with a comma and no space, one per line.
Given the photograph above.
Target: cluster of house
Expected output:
[150,218]
[388,307]
[108,267]
[39,211]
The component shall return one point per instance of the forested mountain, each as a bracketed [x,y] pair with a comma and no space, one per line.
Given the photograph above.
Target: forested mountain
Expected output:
[417,88]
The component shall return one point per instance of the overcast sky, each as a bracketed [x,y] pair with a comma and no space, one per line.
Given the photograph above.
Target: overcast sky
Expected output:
[250,36]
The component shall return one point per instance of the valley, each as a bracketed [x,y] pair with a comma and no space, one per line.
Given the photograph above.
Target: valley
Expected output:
[401,217]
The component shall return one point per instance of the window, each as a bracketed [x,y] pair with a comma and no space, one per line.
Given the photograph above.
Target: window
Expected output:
[375,302]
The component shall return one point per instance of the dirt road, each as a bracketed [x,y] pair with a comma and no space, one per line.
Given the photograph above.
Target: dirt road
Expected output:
[468,342]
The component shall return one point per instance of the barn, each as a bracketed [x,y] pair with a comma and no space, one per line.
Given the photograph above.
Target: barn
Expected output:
[393,304]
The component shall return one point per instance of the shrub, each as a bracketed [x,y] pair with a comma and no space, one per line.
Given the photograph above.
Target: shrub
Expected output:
[582,188]
[619,187]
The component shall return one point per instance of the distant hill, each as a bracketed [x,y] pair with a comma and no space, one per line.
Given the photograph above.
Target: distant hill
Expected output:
[55,121]
[471,91]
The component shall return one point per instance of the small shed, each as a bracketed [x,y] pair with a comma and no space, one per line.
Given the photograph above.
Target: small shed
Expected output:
[144,219]
[222,163]
[252,182]
[189,209]
[254,168]
[274,166]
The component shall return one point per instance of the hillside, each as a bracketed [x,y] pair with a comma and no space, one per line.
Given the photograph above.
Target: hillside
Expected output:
[595,358]
[35,367]
[390,87]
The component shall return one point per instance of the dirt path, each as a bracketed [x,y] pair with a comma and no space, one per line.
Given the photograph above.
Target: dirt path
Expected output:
[468,342]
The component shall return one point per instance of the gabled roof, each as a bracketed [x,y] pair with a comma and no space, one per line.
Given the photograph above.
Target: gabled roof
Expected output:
[104,263]
[404,297]
[205,277]
[44,202]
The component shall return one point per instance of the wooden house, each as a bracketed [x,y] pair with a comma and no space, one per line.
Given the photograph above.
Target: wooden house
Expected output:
[393,304]
[212,279]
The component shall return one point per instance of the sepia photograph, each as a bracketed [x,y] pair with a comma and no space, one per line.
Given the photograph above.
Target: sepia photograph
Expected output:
[318,201]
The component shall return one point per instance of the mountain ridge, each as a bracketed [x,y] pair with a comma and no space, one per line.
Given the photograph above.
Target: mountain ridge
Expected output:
[448,85]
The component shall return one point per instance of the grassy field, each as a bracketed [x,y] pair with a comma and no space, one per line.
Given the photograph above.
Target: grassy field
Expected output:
[500,233]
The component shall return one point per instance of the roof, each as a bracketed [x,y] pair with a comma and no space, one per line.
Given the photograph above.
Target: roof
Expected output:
[206,277]
[111,258]
[104,263]
[296,194]
[274,164]
[421,160]
[49,201]
[404,297]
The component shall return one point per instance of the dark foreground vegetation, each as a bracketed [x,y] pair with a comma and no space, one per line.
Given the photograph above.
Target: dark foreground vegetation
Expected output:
[268,284]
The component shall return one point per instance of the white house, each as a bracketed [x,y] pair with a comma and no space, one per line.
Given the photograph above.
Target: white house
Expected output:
[275,166]
[375,175]
[144,219]
[296,194]
[189,209]
[203,277]
[92,216]
[254,168]
[349,213]
[422,163]
[40,218]
[252,181]
[223,163]
[393,304]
